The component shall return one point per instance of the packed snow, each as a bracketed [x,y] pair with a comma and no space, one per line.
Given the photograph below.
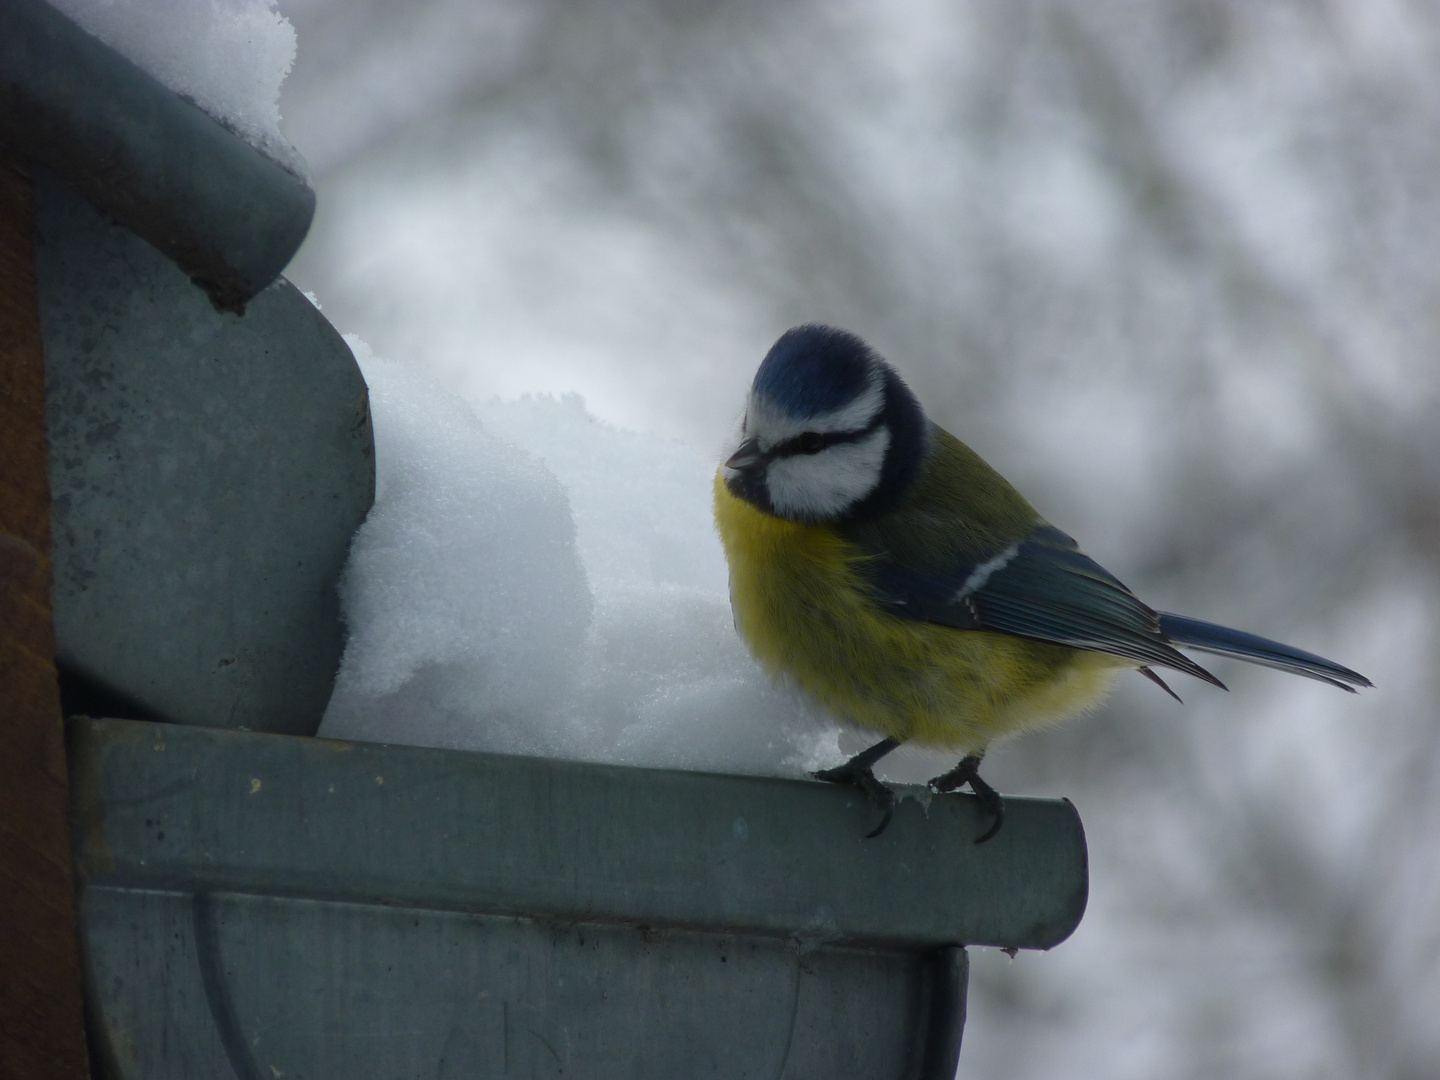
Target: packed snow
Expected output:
[228,56]
[531,580]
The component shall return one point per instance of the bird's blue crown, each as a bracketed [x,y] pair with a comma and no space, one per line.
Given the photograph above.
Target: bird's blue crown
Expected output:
[812,370]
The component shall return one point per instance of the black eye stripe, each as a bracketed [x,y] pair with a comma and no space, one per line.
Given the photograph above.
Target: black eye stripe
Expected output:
[812,442]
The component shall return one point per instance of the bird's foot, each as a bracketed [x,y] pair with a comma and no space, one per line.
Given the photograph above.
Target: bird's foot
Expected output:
[858,772]
[968,772]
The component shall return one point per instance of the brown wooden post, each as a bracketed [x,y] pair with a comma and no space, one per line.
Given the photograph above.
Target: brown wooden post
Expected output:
[42,1033]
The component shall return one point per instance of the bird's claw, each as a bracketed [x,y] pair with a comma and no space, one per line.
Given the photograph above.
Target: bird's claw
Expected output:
[991,801]
[993,804]
[863,777]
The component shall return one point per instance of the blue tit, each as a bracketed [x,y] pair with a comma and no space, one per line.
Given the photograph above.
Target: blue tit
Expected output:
[884,567]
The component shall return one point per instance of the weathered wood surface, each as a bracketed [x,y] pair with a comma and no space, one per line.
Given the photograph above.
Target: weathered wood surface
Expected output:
[42,1034]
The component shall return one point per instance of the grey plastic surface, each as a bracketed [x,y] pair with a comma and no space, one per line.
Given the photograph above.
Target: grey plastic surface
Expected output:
[301,989]
[260,906]
[207,472]
[227,214]
[949,976]
[525,836]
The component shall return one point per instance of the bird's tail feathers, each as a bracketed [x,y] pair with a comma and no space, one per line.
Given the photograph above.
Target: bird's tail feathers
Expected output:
[1223,641]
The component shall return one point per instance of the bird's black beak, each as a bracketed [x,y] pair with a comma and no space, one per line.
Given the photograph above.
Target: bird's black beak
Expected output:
[745,474]
[746,456]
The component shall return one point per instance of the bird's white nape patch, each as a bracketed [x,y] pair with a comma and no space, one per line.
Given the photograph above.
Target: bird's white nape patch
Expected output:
[771,426]
[814,487]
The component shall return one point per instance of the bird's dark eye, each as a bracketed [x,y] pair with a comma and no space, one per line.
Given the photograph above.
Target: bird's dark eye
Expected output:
[810,443]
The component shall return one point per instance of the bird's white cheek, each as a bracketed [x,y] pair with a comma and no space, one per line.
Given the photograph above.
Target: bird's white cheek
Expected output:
[829,483]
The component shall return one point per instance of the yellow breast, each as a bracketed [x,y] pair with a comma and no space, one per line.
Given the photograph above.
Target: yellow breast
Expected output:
[806,614]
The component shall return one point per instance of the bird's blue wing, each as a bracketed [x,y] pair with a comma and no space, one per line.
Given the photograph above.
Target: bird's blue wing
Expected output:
[1040,587]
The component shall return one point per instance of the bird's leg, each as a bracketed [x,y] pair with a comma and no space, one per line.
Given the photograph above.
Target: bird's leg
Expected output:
[968,772]
[859,772]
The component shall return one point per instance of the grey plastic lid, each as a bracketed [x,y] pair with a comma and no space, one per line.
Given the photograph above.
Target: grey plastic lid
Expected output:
[207,472]
[227,214]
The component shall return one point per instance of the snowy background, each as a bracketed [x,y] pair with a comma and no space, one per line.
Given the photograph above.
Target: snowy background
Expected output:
[1172,266]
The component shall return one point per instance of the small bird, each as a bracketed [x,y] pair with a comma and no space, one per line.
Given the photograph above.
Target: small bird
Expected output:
[884,567]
